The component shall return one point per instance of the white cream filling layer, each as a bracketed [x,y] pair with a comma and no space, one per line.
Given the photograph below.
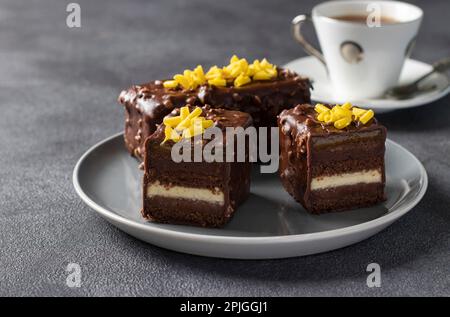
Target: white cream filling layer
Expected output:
[346,179]
[207,195]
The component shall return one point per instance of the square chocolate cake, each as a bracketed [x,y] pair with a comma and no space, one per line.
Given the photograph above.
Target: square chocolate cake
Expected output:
[203,192]
[258,88]
[332,158]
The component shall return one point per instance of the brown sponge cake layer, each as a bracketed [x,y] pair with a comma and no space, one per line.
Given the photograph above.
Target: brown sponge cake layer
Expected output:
[158,166]
[339,150]
[348,166]
[345,198]
[208,177]
[183,211]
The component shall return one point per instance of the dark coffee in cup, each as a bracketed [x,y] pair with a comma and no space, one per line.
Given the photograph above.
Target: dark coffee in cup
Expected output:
[356,18]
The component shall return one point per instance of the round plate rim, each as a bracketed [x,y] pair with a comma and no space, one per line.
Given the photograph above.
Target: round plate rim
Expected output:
[379,104]
[354,229]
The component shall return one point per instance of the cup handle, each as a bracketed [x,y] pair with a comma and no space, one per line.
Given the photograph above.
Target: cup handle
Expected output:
[297,24]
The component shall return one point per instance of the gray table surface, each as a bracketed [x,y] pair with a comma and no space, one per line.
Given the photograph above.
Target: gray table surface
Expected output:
[58,89]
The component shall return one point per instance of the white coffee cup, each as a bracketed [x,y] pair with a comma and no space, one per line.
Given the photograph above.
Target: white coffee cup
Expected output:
[362,59]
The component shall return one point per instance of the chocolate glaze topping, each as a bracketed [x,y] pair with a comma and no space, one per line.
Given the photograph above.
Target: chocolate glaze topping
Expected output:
[304,118]
[222,119]
[263,100]
[153,99]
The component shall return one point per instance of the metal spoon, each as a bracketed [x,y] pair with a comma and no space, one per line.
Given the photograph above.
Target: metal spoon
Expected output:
[412,89]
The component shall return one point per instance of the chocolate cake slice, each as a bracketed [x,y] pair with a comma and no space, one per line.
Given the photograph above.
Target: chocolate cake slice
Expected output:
[261,97]
[332,159]
[194,193]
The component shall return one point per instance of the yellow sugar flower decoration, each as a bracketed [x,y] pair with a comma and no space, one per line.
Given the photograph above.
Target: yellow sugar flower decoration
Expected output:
[343,116]
[190,79]
[186,125]
[237,73]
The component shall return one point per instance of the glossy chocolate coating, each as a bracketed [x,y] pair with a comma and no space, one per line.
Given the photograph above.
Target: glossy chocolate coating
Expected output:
[146,105]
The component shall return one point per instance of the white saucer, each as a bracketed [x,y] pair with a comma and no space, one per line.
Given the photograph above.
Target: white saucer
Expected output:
[270,224]
[323,90]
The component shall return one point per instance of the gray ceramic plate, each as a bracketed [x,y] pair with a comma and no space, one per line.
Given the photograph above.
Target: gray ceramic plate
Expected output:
[270,224]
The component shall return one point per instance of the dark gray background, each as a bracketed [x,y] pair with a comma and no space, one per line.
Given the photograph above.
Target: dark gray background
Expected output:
[58,89]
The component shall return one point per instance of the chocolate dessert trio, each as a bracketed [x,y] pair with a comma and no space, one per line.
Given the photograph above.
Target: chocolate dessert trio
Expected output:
[331,157]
